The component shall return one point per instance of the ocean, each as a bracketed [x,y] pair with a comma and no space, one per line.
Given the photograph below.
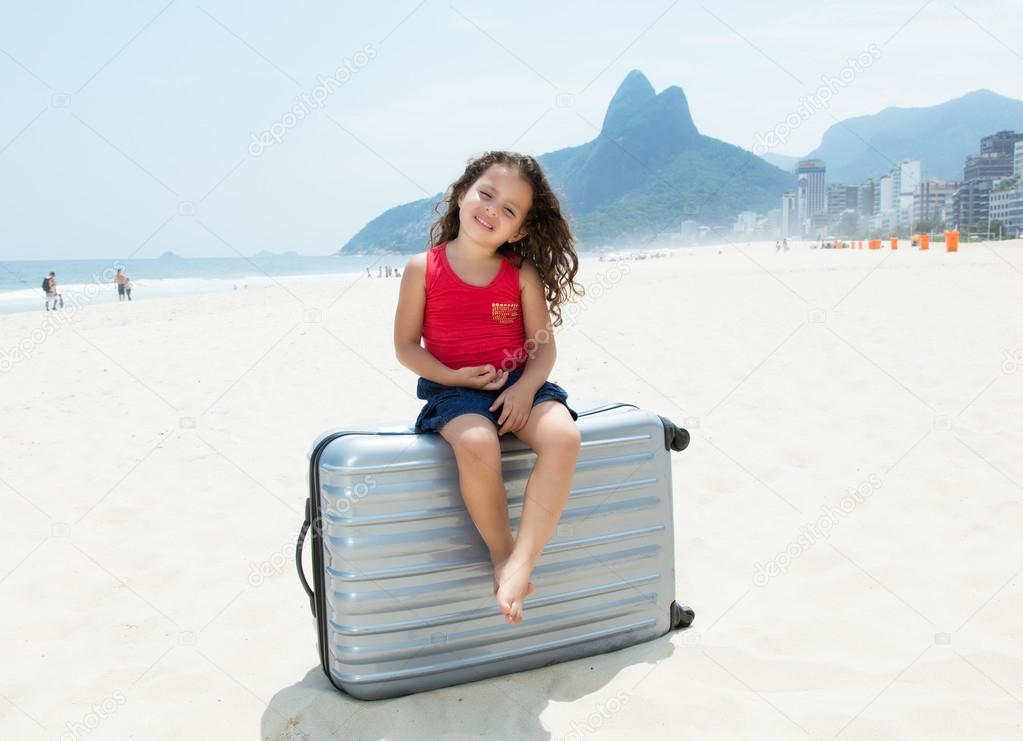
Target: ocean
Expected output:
[87,282]
[92,281]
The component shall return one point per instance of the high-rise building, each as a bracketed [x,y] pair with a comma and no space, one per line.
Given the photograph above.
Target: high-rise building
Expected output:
[746,223]
[933,201]
[971,204]
[995,161]
[865,198]
[909,179]
[1001,142]
[988,166]
[1006,206]
[886,199]
[789,216]
[840,199]
[1017,160]
[811,199]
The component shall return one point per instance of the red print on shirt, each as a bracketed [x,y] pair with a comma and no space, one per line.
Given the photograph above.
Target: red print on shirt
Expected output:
[504,313]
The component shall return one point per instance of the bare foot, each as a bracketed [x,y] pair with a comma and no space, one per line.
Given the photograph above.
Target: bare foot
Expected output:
[498,567]
[513,588]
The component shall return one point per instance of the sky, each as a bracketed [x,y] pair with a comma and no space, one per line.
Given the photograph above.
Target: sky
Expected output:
[131,129]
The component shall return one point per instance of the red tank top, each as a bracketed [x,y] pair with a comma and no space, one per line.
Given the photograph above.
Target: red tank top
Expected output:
[473,325]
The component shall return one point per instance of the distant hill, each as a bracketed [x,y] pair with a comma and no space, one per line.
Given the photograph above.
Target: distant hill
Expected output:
[647,170]
[268,253]
[940,136]
[782,161]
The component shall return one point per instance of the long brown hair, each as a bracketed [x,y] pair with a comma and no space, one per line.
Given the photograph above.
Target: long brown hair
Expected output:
[548,244]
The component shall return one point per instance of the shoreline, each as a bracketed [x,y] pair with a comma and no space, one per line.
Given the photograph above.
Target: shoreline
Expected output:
[86,295]
[99,292]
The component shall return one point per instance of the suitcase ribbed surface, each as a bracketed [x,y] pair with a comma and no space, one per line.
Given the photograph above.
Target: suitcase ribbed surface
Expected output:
[407,597]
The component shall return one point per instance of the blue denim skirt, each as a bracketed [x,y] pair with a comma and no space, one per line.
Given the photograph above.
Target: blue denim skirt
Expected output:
[444,403]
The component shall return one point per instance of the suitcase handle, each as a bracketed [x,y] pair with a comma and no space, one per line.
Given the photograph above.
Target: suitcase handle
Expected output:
[298,558]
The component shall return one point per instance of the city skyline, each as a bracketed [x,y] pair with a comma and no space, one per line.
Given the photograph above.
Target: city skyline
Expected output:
[902,201]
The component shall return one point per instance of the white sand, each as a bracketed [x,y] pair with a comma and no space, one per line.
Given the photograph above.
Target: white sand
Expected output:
[153,464]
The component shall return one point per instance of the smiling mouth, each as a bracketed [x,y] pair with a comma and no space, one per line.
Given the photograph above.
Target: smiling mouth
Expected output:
[482,223]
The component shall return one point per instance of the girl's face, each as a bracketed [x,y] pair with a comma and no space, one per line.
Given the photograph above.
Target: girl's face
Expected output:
[493,210]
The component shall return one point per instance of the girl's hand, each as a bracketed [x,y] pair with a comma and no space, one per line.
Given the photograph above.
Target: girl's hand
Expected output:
[518,403]
[480,377]
[499,380]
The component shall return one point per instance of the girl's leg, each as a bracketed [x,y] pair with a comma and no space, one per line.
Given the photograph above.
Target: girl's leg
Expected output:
[474,440]
[553,435]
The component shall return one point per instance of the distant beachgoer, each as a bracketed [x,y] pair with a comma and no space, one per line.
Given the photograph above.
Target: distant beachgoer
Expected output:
[380,271]
[120,280]
[128,286]
[387,271]
[397,273]
[785,244]
[777,246]
[368,273]
[52,295]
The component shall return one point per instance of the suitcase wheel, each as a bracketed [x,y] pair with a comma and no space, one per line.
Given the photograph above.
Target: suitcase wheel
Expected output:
[675,437]
[681,616]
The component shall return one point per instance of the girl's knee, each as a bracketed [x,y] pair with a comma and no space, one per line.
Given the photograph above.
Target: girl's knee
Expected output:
[564,439]
[477,441]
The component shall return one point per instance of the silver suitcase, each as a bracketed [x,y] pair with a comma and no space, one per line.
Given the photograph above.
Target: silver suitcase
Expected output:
[402,587]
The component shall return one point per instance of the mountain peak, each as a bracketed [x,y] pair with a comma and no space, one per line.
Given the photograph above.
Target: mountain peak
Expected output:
[633,94]
[673,99]
[637,79]
[980,93]
[635,103]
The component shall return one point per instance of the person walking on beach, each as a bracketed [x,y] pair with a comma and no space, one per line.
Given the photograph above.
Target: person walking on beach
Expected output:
[503,261]
[52,295]
[120,280]
[128,286]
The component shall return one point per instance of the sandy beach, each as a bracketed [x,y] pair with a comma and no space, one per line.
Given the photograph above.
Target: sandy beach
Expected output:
[847,516]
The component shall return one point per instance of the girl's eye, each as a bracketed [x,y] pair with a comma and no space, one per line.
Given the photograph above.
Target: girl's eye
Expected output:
[487,195]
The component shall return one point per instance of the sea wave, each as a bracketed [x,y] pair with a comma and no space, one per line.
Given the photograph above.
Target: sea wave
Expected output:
[84,294]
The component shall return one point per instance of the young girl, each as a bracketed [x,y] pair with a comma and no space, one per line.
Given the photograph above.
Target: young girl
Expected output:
[502,261]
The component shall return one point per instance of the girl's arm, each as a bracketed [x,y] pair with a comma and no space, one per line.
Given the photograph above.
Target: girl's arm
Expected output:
[540,345]
[408,325]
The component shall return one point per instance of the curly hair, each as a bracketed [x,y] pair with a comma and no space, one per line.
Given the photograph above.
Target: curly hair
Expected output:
[548,244]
